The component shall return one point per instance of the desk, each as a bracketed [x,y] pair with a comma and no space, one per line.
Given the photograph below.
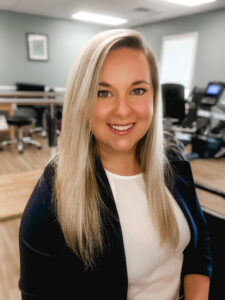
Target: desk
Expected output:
[33,98]
[209,114]
[211,173]
[29,94]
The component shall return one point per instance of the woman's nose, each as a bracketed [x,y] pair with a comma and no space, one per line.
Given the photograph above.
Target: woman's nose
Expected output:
[122,106]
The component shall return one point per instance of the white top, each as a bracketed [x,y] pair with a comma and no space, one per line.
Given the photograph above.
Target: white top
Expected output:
[153,272]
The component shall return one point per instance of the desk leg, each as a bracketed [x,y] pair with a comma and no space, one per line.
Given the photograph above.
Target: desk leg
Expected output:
[12,132]
[52,136]
[11,128]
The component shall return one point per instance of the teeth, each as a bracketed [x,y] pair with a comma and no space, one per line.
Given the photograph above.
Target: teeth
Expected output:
[121,128]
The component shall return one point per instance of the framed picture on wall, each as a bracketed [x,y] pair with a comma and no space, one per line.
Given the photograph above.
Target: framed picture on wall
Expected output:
[37,46]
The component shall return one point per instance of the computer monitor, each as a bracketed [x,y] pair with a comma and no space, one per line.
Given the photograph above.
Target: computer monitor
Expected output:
[213,89]
[212,93]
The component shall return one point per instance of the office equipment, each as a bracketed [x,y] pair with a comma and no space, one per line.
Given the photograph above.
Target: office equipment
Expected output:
[207,142]
[46,100]
[39,110]
[212,93]
[220,127]
[173,102]
[20,140]
[198,126]
[189,124]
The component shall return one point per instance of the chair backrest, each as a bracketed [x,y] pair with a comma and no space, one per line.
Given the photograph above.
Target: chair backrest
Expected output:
[28,87]
[173,101]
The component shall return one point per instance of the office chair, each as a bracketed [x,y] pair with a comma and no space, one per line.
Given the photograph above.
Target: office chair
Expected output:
[173,102]
[180,114]
[207,141]
[20,140]
[38,111]
[220,128]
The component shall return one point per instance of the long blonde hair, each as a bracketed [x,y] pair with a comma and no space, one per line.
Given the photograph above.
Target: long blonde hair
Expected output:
[77,200]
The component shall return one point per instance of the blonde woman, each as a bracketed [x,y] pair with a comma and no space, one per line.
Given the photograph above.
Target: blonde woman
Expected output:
[115,213]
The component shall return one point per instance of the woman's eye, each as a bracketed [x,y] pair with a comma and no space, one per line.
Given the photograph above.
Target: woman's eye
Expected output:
[139,91]
[103,94]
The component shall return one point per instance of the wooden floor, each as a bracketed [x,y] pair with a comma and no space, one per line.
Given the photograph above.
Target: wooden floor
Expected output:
[9,258]
[32,158]
[16,169]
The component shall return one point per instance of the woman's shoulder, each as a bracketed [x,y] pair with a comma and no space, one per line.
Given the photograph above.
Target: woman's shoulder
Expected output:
[180,165]
[48,174]
[43,191]
[39,226]
[174,154]
[174,149]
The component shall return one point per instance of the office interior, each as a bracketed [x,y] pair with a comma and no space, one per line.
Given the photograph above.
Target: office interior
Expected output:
[197,120]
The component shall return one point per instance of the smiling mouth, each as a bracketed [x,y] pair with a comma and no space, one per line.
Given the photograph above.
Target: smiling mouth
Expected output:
[121,127]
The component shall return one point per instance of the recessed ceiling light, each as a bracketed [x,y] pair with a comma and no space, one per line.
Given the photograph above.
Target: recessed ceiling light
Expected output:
[96,18]
[191,2]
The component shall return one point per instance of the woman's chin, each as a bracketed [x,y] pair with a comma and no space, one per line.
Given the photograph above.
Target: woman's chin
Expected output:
[124,148]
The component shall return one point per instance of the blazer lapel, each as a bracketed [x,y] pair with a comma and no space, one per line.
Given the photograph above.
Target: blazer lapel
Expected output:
[114,252]
[184,193]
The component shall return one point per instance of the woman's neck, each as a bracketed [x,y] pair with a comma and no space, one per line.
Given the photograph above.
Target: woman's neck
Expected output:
[121,164]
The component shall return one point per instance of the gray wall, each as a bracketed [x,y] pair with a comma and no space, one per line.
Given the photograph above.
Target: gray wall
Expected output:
[67,37]
[210,59]
[65,40]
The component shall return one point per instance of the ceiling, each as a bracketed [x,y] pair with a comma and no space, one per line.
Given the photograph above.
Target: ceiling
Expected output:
[138,12]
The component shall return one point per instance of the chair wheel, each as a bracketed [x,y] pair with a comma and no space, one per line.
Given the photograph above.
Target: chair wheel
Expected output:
[39,147]
[20,148]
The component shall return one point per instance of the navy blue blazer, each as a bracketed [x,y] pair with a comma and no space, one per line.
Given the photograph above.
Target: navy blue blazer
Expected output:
[50,270]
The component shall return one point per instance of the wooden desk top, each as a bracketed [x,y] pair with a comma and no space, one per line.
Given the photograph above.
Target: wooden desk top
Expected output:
[210,173]
[18,94]
[31,101]
[15,190]
[31,98]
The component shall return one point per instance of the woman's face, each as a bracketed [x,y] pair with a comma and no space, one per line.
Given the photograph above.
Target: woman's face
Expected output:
[124,108]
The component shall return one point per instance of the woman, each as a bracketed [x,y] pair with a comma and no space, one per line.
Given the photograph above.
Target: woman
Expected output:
[115,213]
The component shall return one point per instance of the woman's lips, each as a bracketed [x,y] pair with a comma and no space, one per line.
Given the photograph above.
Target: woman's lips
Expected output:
[121,129]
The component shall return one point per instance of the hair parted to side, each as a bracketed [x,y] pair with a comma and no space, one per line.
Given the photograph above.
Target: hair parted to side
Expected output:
[76,199]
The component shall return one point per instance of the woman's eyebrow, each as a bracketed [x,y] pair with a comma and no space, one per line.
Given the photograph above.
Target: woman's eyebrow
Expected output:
[105,84]
[140,81]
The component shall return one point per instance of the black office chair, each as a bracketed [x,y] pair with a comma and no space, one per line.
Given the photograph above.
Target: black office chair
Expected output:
[20,140]
[173,102]
[38,111]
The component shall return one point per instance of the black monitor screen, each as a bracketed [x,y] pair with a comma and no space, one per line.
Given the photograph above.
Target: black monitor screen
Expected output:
[213,89]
